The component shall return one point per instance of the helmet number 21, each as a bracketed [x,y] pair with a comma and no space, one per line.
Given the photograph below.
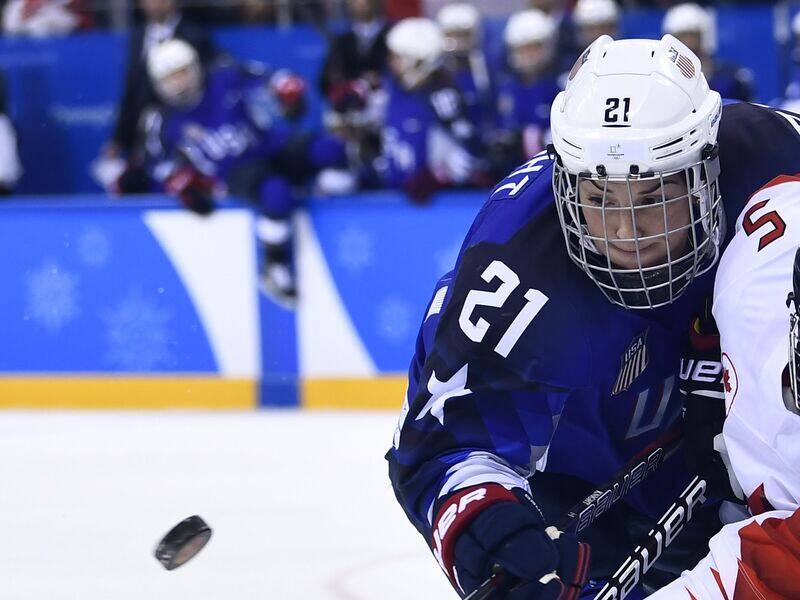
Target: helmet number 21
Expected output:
[509,281]
[613,108]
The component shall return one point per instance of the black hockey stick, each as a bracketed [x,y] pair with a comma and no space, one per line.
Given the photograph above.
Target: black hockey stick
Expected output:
[647,553]
[583,514]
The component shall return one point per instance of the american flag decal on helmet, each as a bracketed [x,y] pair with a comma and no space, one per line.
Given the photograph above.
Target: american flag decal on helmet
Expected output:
[684,63]
[634,362]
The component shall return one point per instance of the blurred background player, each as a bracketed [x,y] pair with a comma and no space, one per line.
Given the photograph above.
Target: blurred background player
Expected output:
[465,61]
[593,18]
[124,152]
[223,131]
[529,88]
[694,26]
[427,141]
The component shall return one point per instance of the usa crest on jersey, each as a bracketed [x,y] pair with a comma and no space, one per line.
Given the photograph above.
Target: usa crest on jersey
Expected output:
[634,362]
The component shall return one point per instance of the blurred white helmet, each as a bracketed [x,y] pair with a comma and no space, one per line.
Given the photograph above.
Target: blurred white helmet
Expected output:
[417,45]
[796,25]
[635,137]
[595,12]
[689,18]
[461,24]
[174,68]
[525,29]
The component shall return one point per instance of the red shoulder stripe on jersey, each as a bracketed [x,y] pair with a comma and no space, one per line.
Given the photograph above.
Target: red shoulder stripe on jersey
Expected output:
[776,181]
[691,595]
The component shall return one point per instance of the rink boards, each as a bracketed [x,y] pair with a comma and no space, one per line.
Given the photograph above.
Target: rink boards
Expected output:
[142,305]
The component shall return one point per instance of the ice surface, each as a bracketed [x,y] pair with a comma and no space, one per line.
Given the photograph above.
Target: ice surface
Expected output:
[300,504]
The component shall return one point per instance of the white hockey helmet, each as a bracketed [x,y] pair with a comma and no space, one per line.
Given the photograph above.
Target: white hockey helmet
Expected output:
[417,45]
[638,115]
[174,69]
[588,13]
[525,29]
[691,18]
[796,25]
[461,26]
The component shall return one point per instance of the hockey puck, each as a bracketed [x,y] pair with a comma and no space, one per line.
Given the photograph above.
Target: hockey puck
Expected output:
[182,542]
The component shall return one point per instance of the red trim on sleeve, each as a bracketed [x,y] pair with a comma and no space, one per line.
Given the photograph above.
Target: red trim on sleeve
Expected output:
[456,513]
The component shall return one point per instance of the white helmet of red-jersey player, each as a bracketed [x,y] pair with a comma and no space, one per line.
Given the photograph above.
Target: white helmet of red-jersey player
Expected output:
[595,12]
[639,111]
[689,18]
[174,69]
[461,25]
[417,45]
[524,30]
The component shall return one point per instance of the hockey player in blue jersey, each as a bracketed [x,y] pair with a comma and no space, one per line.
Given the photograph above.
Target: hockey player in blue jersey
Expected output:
[694,26]
[549,356]
[428,143]
[228,131]
[466,62]
[527,92]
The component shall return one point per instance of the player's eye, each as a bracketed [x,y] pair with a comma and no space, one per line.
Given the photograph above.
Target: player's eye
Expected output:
[649,201]
[594,200]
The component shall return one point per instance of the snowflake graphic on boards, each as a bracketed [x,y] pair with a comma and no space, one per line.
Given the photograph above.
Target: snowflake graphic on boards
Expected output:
[94,247]
[355,249]
[138,334]
[51,296]
[395,320]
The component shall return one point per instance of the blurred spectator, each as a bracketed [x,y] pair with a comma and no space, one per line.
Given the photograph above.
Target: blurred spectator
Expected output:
[230,130]
[236,12]
[361,51]
[427,142]
[694,26]
[594,18]
[162,21]
[43,18]
[565,46]
[465,61]
[529,88]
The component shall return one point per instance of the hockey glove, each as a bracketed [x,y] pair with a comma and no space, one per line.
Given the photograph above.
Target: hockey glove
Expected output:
[487,525]
[702,386]
[194,189]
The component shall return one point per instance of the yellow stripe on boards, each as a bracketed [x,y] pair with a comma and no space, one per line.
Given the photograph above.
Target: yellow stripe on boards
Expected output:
[379,393]
[127,393]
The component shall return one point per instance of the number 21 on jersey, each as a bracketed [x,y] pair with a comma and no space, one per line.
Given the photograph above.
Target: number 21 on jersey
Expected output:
[509,281]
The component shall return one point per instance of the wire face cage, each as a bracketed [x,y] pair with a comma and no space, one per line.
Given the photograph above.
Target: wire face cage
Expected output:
[642,238]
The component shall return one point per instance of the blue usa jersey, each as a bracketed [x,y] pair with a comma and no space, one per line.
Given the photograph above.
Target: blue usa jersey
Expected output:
[522,366]
[412,118]
[236,121]
[478,100]
[524,107]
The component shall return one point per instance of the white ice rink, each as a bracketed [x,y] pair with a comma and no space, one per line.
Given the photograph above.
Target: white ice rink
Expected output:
[300,505]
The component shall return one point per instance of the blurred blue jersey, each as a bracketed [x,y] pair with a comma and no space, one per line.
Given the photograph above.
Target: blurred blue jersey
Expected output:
[476,86]
[426,129]
[236,121]
[524,108]
[522,365]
